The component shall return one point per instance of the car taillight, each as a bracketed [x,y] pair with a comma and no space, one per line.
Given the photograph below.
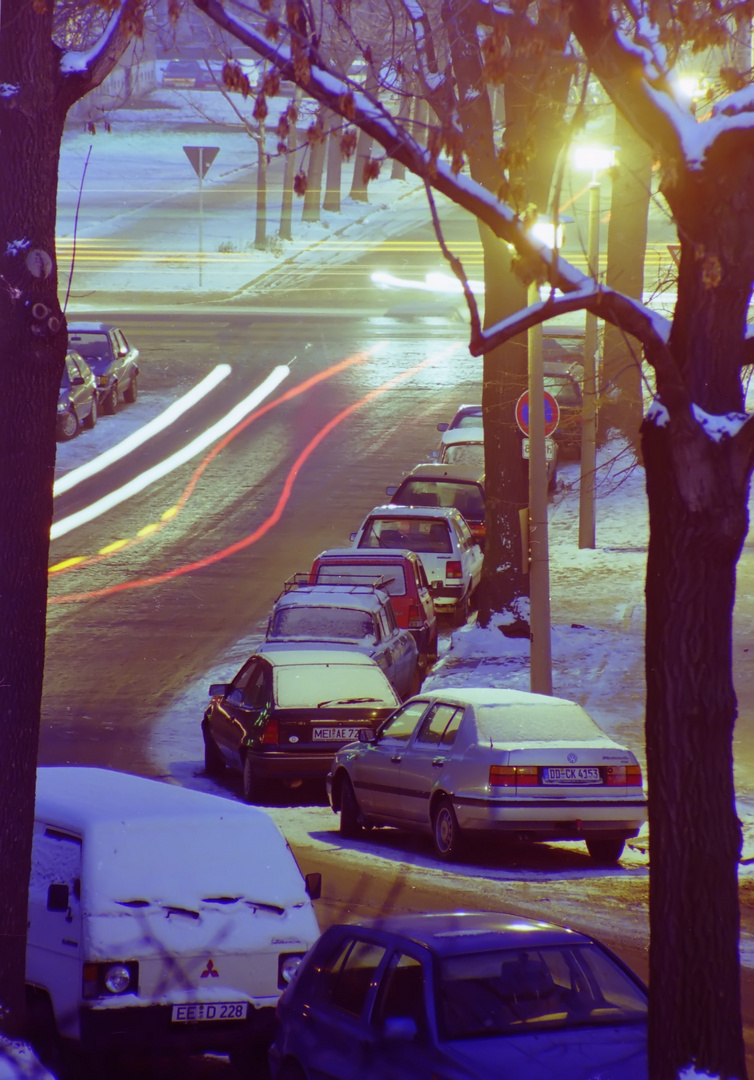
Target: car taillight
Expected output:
[453,570]
[271,732]
[514,775]
[623,775]
[415,620]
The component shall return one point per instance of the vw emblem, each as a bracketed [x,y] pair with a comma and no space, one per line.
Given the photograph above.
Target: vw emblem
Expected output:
[572,758]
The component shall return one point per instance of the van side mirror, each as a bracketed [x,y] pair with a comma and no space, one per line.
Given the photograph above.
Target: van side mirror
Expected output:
[313,883]
[57,897]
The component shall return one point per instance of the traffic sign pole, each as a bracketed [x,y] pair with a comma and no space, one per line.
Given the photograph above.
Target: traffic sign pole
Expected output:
[540,655]
[201,157]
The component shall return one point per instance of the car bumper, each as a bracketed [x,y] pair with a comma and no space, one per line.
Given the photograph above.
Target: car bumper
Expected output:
[302,766]
[553,819]
[150,1028]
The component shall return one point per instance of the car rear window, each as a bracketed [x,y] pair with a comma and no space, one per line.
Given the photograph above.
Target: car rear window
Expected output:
[91,346]
[428,535]
[562,388]
[331,622]
[466,497]
[391,578]
[469,420]
[561,723]
[304,686]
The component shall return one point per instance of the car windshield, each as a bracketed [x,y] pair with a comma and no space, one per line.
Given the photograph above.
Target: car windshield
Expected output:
[464,454]
[390,578]
[333,623]
[303,686]
[514,990]
[426,535]
[90,345]
[466,497]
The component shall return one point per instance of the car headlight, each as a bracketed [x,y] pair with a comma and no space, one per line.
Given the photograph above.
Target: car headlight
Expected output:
[287,967]
[117,978]
[102,979]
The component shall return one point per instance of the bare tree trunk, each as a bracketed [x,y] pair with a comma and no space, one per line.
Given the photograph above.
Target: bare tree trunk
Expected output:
[260,234]
[404,112]
[620,383]
[360,180]
[313,193]
[32,352]
[420,120]
[286,201]
[334,168]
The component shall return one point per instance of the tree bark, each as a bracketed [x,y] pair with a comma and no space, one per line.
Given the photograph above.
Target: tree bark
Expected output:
[260,231]
[286,201]
[313,193]
[334,168]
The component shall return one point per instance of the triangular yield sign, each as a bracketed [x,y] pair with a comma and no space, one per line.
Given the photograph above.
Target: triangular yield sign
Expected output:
[201,157]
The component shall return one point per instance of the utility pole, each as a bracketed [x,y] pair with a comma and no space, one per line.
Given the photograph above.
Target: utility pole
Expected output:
[540,656]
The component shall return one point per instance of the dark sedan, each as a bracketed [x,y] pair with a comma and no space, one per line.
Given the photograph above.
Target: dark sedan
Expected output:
[288,710]
[462,996]
[111,358]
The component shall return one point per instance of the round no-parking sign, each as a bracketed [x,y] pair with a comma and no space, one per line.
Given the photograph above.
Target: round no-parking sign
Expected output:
[552,413]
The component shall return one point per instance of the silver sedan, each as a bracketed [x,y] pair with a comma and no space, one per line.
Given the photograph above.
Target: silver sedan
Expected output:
[481,760]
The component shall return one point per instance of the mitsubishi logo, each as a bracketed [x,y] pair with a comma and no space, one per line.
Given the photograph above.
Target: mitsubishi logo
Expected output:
[210,970]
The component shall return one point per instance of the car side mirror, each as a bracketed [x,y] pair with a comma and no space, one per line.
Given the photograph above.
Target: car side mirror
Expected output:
[58,896]
[400,1029]
[434,455]
[366,736]
[353,536]
[442,427]
[77,380]
[391,490]
[218,689]
[313,884]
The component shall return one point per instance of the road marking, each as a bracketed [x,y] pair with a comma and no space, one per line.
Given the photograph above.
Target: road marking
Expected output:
[137,438]
[157,472]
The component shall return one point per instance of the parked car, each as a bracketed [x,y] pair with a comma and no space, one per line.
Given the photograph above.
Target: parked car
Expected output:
[355,616]
[433,484]
[465,445]
[184,74]
[403,577]
[493,762]
[466,416]
[113,361]
[77,398]
[288,710]
[462,996]
[441,538]
[564,382]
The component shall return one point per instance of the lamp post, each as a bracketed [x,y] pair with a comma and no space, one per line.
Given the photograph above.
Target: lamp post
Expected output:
[597,159]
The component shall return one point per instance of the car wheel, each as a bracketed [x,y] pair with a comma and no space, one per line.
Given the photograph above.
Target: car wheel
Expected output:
[291,1070]
[350,815]
[445,831]
[91,419]
[110,402]
[214,764]
[250,1062]
[605,851]
[68,425]
[132,391]
[254,789]
[461,612]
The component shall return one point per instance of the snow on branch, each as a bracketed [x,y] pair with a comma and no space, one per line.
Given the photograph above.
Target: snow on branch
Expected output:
[83,70]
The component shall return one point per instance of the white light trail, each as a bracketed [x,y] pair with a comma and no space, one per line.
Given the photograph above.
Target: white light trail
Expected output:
[157,472]
[164,420]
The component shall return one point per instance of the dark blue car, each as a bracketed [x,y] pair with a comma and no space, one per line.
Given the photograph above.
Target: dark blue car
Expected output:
[462,996]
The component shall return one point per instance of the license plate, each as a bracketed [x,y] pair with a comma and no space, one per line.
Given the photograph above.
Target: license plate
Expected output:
[571,774]
[209,1010]
[549,449]
[335,734]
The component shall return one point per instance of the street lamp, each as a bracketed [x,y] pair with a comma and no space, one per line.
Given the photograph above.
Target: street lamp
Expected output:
[596,159]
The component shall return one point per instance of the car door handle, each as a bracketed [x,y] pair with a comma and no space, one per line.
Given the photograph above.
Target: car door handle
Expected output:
[397,758]
[438,762]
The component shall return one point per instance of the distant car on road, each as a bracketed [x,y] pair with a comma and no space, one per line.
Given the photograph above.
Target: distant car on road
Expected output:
[441,538]
[184,75]
[354,616]
[493,762]
[435,484]
[77,399]
[113,361]
[460,996]
[403,577]
[288,710]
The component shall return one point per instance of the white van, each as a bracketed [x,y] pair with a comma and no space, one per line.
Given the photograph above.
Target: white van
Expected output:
[159,917]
